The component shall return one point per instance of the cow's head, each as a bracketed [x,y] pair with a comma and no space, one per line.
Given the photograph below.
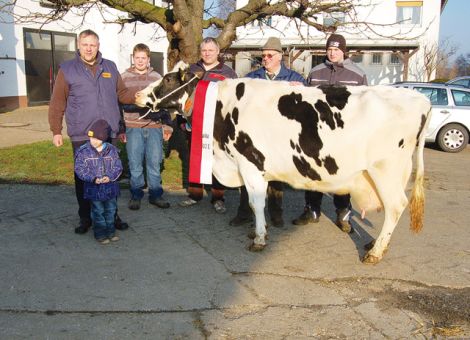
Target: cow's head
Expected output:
[171,91]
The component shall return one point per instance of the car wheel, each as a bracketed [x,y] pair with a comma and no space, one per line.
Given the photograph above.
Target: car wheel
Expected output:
[452,138]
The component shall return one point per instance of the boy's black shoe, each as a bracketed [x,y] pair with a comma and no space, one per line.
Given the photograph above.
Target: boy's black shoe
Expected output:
[134,204]
[119,224]
[83,226]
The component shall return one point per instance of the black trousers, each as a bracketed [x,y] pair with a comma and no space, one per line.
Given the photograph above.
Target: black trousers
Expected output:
[313,200]
[275,193]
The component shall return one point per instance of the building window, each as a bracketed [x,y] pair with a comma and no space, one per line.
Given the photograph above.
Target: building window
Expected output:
[395,60]
[262,22]
[356,58]
[317,60]
[377,59]
[409,12]
[38,40]
[332,19]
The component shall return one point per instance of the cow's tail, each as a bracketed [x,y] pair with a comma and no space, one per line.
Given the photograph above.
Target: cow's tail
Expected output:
[417,194]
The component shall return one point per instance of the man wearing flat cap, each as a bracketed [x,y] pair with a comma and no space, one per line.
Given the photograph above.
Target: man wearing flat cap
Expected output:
[272,69]
[337,69]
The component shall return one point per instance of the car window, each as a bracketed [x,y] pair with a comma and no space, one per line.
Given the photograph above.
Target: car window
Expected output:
[463,82]
[435,95]
[461,98]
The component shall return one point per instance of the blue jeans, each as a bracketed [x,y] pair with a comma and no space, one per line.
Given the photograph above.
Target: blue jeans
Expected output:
[148,143]
[102,215]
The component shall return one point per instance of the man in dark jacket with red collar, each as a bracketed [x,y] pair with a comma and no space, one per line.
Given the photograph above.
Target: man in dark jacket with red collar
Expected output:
[212,70]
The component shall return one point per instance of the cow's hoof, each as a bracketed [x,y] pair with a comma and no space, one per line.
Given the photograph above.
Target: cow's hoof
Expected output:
[369,245]
[370,259]
[252,235]
[256,247]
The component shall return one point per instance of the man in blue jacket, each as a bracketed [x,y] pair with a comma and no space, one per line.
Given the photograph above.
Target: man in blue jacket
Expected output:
[87,87]
[272,69]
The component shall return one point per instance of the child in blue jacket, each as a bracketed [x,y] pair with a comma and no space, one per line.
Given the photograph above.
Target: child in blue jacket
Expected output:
[97,163]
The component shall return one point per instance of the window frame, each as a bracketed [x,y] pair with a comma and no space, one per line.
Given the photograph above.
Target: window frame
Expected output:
[416,8]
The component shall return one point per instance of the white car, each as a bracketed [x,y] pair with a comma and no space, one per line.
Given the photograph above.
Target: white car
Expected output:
[450,120]
[463,81]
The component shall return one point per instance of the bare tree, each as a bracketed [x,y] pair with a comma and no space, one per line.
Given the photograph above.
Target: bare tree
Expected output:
[184,20]
[462,64]
[435,56]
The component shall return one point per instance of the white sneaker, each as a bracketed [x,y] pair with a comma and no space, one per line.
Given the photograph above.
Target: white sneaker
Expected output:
[219,207]
[187,202]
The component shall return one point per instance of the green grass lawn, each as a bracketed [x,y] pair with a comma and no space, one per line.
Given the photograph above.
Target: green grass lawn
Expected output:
[43,163]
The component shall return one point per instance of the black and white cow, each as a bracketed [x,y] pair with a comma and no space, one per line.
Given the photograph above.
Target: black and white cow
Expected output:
[357,140]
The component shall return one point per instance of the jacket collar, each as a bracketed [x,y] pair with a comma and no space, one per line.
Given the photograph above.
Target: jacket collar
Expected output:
[218,67]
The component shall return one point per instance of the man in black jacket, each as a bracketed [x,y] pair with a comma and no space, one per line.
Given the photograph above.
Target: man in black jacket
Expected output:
[337,69]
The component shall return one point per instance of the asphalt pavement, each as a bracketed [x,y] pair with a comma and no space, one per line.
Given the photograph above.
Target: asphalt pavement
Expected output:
[184,273]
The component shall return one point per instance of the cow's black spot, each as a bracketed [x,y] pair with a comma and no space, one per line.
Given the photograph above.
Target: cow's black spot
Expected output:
[240,90]
[292,144]
[235,115]
[304,168]
[292,107]
[326,114]
[244,146]
[336,95]
[330,165]
[297,147]
[223,127]
[400,143]
[339,120]
[421,126]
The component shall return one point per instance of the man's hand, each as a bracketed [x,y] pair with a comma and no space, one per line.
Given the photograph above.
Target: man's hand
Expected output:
[122,137]
[167,131]
[167,135]
[105,179]
[57,140]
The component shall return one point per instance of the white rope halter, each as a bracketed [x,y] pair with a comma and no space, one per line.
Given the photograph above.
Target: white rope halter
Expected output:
[166,96]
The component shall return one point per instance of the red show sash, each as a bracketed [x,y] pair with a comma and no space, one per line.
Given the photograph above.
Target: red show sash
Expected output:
[201,157]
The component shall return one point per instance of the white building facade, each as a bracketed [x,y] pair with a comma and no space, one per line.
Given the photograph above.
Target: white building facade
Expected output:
[30,54]
[404,31]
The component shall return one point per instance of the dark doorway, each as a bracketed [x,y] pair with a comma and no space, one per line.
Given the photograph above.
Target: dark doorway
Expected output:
[44,51]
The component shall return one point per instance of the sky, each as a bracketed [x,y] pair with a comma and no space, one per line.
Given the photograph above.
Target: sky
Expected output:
[454,25]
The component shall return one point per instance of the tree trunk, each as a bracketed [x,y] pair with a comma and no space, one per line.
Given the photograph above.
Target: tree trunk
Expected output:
[185,34]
